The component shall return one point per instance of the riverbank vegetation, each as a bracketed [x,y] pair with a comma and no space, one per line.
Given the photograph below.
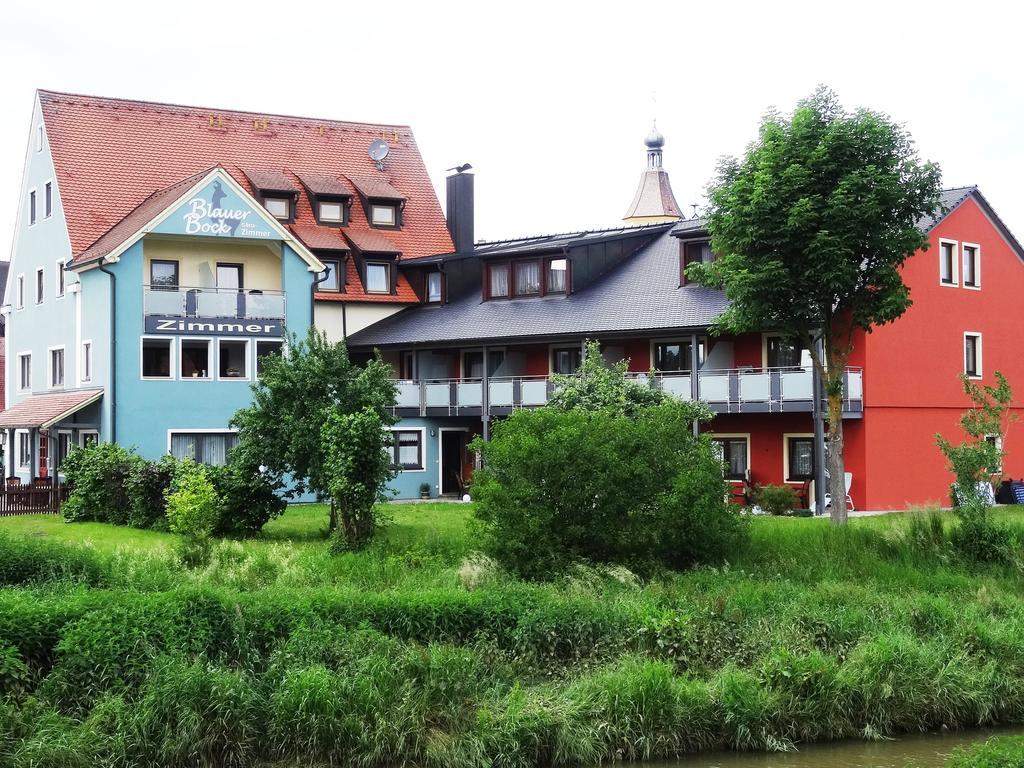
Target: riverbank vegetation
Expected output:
[418,651]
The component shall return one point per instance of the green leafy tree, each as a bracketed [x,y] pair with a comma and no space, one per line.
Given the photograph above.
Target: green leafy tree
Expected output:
[599,386]
[358,468]
[193,508]
[810,230]
[282,430]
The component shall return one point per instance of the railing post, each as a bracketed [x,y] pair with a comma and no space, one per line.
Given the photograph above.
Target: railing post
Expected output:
[819,438]
[485,398]
[694,377]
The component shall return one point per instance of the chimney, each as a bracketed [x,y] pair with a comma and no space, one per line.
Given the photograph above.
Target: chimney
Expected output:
[460,208]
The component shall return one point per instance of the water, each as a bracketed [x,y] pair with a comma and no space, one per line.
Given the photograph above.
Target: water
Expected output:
[918,751]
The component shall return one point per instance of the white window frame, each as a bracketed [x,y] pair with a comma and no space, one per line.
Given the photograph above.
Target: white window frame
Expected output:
[553,348]
[85,433]
[33,201]
[55,460]
[20,386]
[320,211]
[256,354]
[173,368]
[40,286]
[440,287]
[978,354]
[977,265]
[955,265]
[246,357]
[423,447]
[786,437]
[86,361]
[48,198]
[735,436]
[39,137]
[19,292]
[210,357]
[50,369]
[60,285]
[387,268]
[199,431]
[18,435]
[703,344]
[279,198]
[373,215]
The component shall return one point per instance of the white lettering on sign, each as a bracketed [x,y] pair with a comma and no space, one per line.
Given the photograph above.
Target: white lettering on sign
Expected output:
[191,326]
[216,219]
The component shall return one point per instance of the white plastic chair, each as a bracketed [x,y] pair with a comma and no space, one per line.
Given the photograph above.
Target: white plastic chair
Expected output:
[848,481]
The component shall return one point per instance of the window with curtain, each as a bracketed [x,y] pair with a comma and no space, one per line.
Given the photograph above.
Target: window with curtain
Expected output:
[527,278]
[801,458]
[557,270]
[203,447]
[784,353]
[734,456]
[498,280]
[675,355]
[407,448]
[433,287]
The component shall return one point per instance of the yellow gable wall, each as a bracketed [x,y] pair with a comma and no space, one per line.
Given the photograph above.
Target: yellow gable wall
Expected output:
[197,261]
[327,316]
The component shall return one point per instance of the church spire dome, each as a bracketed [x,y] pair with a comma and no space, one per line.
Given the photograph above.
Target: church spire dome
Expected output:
[654,201]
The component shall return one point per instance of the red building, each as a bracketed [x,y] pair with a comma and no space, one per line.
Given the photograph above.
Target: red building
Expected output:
[528,306]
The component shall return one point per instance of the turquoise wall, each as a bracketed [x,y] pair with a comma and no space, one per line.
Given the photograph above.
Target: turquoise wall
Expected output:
[407,482]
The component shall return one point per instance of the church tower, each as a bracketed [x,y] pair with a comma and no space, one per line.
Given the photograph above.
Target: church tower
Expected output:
[654,202]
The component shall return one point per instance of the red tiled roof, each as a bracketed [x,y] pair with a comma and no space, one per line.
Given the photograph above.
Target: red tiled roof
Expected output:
[46,410]
[274,181]
[374,186]
[110,155]
[322,184]
[354,290]
[371,241]
[323,238]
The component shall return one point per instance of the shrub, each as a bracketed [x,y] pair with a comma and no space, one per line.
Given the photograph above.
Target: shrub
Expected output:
[146,490]
[562,486]
[977,538]
[248,498]
[97,476]
[776,499]
[192,512]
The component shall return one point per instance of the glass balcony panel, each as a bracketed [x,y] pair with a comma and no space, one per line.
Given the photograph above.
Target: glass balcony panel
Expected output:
[470,393]
[855,385]
[439,395]
[165,302]
[677,385]
[755,387]
[211,304]
[714,387]
[500,393]
[408,395]
[797,385]
[535,392]
[264,305]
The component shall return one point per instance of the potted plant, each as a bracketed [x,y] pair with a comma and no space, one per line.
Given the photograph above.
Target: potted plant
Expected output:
[424,490]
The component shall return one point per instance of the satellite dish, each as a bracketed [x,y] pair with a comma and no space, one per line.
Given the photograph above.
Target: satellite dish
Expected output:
[379,149]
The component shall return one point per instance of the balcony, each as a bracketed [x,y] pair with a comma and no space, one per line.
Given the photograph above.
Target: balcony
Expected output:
[725,391]
[214,303]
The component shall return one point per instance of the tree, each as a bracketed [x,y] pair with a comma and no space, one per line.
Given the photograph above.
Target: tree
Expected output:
[810,230]
[597,385]
[295,396]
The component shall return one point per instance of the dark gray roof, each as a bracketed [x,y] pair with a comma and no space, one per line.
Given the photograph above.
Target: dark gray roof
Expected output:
[642,294]
[538,243]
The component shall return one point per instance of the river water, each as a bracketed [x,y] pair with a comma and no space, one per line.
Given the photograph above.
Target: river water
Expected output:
[917,751]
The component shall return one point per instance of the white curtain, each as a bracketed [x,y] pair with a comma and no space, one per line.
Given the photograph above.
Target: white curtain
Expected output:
[499,281]
[527,277]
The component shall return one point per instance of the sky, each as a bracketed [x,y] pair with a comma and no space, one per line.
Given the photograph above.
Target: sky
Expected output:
[549,101]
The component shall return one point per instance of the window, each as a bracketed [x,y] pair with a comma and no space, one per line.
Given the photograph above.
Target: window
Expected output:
[25,371]
[19,298]
[47,199]
[265,349]
[230,277]
[24,450]
[972,266]
[163,275]
[433,287]
[156,358]
[566,360]
[676,355]
[87,438]
[473,362]
[734,456]
[63,447]
[86,366]
[497,281]
[556,276]
[56,368]
[40,282]
[383,215]
[527,278]
[232,359]
[195,358]
[692,253]
[333,281]
[800,458]
[407,448]
[278,207]
[972,355]
[39,138]
[331,212]
[203,447]
[378,278]
[781,352]
[947,262]
[60,279]
[31,207]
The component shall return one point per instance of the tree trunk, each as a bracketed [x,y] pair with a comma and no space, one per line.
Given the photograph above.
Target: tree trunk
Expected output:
[836,467]
[332,523]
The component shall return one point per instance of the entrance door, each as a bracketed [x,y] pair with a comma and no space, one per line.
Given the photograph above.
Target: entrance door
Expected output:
[453,449]
[229,280]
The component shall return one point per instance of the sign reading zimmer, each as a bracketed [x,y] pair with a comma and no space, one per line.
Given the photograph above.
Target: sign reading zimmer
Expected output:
[217,211]
[212,326]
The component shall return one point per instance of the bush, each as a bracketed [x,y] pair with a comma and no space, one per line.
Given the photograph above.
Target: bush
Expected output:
[977,538]
[146,489]
[562,486]
[248,498]
[776,499]
[193,509]
[1000,752]
[97,476]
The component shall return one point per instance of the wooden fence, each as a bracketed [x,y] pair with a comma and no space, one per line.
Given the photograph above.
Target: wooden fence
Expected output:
[32,499]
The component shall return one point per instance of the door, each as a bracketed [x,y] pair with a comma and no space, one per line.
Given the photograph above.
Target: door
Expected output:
[230,280]
[453,446]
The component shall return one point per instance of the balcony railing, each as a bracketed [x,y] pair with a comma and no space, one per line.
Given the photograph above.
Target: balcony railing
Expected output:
[214,302]
[783,390]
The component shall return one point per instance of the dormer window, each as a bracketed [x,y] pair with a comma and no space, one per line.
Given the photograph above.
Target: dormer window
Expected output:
[556,275]
[434,287]
[523,278]
[527,278]
[331,212]
[278,207]
[383,215]
[333,281]
[693,253]
[378,277]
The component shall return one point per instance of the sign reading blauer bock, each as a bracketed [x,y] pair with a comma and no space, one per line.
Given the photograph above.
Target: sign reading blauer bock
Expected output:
[217,211]
[212,326]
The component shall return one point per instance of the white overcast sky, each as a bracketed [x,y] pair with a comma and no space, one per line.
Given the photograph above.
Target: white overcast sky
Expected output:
[549,101]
